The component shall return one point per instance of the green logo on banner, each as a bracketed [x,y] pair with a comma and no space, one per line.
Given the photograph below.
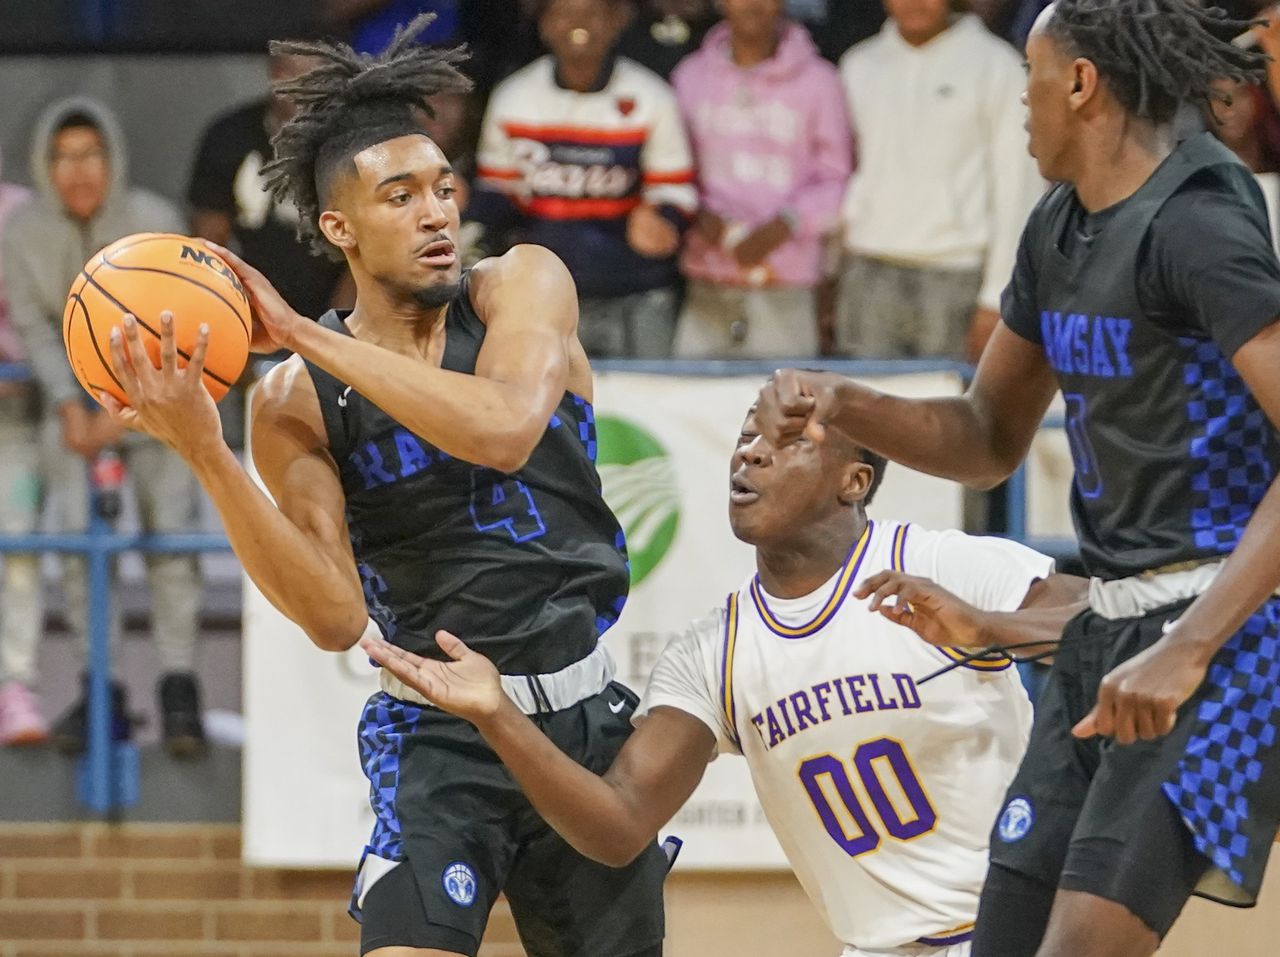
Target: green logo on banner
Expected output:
[639,479]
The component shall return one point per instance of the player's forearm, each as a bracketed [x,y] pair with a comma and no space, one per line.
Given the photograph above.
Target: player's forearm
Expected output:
[588,811]
[469,417]
[1031,629]
[1250,576]
[306,585]
[949,437]
[1037,626]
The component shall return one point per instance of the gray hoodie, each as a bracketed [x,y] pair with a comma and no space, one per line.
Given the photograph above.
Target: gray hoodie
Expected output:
[44,247]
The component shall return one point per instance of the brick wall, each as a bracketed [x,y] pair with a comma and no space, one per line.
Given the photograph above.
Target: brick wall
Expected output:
[163,890]
[97,890]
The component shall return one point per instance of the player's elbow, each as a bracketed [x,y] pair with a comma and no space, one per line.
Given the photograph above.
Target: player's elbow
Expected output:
[508,450]
[987,480]
[337,633]
[333,639]
[619,850]
[993,469]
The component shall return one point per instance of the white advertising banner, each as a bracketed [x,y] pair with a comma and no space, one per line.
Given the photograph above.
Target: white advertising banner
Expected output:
[665,444]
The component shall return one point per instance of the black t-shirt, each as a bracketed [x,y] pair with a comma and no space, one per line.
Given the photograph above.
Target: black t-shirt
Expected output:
[1207,259]
[227,179]
[1140,308]
[530,568]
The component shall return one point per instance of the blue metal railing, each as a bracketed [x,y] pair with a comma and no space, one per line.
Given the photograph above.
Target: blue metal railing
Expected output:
[105,768]
[103,788]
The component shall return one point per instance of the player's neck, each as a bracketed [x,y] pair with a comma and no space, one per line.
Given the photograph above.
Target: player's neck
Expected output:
[804,562]
[401,325]
[1118,160]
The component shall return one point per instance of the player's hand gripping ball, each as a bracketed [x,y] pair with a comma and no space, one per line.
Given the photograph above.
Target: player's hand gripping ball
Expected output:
[147,274]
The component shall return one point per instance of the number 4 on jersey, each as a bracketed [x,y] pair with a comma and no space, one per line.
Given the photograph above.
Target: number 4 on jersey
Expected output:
[502,503]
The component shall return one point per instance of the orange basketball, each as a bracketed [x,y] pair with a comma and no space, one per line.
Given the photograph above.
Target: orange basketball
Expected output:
[147,274]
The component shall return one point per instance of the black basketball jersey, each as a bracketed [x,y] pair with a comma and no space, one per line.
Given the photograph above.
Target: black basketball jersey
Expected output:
[1139,308]
[528,568]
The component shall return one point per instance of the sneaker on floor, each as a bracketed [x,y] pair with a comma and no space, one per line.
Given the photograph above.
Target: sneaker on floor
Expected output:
[180,715]
[69,730]
[20,720]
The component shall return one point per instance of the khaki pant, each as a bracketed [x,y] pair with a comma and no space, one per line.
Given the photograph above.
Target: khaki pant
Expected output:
[728,322]
[37,471]
[21,602]
[887,310]
[636,326]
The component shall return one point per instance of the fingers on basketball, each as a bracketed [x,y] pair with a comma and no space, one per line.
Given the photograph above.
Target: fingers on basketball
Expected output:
[147,275]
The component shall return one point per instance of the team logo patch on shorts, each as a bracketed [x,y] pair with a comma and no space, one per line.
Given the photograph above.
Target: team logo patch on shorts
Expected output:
[460,884]
[1016,820]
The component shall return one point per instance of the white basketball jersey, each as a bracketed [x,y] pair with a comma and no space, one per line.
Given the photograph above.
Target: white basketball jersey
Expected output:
[882,790]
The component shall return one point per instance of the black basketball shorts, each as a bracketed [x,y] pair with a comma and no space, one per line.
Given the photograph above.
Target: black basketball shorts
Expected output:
[453,830]
[1148,824]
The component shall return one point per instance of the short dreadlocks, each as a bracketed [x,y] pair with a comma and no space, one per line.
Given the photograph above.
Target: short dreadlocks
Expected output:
[1156,54]
[350,102]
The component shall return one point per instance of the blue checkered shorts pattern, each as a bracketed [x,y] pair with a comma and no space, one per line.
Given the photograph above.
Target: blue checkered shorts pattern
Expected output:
[385,723]
[1225,754]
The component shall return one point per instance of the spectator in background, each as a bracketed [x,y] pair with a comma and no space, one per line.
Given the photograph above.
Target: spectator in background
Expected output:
[230,206]
[943,187]
[84,202]
[1247,123]
[501,34]
[372,23]
[768,126]
[584,153]
[20,718]
[665,32]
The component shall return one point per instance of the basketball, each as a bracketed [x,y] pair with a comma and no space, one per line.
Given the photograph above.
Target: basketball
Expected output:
[147,274]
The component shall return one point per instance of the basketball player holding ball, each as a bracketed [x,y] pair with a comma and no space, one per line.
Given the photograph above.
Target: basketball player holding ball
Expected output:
[431,456]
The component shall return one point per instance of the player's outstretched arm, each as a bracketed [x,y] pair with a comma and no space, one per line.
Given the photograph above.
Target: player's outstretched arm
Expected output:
[496,417]
[610,818]
[941,618]
[978,438]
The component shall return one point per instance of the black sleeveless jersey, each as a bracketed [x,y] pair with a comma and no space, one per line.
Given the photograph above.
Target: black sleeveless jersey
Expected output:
[1139,308]
[528,568]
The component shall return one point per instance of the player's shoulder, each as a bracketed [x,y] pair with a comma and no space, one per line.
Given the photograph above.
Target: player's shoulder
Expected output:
[707,627]
[524,264]
[1050,207]
[1213,198]
[923,547]
[698,645]
[285,392]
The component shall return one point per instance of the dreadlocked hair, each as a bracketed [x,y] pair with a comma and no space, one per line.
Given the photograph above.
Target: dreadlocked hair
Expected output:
[1157,54]
[350,102]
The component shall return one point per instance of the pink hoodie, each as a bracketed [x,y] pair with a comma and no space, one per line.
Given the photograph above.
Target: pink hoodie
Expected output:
[11,197]
[770,139]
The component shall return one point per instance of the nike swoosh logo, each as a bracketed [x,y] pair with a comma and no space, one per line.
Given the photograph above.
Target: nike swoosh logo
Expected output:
[617,706]
[1168,626]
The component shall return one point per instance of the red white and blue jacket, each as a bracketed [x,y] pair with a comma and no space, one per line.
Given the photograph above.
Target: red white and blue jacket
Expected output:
[567,168]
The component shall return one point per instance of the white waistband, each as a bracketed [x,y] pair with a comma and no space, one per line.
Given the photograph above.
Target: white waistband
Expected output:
[1135,596]
[535,694]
